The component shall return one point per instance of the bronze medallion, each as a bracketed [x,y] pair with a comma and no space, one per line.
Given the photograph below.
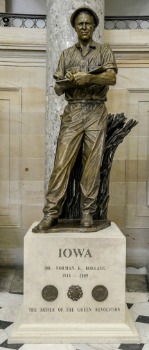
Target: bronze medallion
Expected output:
[75,293]
[49,293]
[100,293]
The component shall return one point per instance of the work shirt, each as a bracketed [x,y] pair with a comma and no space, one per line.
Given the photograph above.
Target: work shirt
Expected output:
[73,60]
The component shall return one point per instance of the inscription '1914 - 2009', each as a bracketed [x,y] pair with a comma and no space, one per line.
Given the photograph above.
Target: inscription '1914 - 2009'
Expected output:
[77,253]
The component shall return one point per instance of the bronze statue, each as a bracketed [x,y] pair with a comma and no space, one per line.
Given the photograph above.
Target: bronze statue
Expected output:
[84,74]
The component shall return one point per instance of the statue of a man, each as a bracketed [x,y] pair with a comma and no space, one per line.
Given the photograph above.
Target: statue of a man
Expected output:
[84,74]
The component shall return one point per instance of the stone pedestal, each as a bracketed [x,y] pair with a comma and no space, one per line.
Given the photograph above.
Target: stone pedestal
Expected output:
[74,289]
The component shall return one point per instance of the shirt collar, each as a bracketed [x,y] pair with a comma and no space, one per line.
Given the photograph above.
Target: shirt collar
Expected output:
[92,45]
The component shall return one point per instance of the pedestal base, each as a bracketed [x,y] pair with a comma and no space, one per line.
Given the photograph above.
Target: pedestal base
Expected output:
[74,289]
[74,333]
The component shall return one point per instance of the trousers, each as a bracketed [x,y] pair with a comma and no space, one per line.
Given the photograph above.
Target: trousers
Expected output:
[81,122]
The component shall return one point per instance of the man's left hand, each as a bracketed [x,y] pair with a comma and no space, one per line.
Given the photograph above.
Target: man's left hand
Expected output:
[81,78]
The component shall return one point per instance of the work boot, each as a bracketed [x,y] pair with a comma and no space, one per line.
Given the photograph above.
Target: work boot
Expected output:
[45,224]
[87,220]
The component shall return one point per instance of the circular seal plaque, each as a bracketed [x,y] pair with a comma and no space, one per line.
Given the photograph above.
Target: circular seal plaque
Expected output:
[100,293]
[75,293]
[49,293]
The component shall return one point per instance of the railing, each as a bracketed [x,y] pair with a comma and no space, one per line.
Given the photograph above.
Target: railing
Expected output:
[22,21]
[127,22]
[39,21]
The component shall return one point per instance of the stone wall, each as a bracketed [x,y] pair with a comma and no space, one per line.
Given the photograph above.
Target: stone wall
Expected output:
[27,6]
[112,8]
[129,206]
[127,8]
[2,6]
[22,125]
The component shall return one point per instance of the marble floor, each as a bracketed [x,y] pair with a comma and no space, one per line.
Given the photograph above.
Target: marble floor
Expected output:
[137,297]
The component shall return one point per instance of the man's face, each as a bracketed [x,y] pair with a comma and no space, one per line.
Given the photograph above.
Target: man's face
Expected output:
[84,26]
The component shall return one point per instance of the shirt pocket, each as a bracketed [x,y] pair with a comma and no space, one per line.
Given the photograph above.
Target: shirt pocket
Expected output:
[94,61]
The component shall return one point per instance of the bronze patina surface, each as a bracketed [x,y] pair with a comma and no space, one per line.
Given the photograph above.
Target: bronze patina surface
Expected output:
[100,293]
[84,74]
[74,226]
[75,292]
[117,129]
[50,293]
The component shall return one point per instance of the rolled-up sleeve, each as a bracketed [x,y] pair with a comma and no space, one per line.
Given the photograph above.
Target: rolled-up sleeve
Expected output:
[108,58]
[60,71]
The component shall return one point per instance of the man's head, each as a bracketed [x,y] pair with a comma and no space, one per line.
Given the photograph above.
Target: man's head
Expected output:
[84,20]
[87,10]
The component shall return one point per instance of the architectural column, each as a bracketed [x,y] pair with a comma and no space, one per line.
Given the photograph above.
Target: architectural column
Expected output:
[61,35]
